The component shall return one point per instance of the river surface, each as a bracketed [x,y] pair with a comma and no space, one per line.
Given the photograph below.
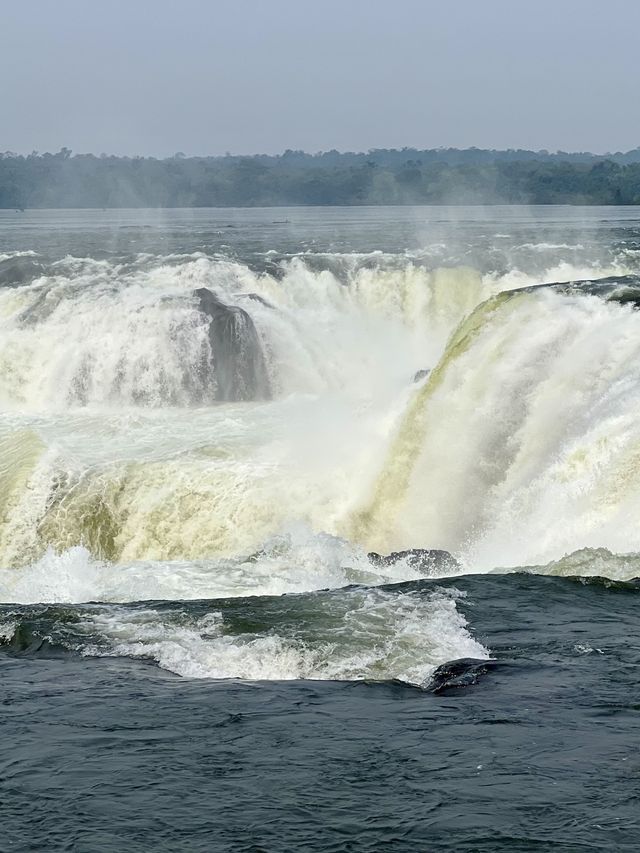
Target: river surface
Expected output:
[264,474]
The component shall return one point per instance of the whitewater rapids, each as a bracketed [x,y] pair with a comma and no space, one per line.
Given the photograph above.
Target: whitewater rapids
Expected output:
[412,405]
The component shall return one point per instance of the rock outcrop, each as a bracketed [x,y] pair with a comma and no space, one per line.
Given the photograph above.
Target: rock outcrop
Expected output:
[239,365]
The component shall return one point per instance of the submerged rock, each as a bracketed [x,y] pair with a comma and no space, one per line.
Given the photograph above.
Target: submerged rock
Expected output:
[458,673]
[421,374]
[19,270]
[426,560]
[238,360]
[257,298]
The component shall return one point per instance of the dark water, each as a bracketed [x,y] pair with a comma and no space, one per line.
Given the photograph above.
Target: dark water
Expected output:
[541,754]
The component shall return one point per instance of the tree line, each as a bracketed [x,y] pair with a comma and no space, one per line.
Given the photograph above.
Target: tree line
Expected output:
[381,176]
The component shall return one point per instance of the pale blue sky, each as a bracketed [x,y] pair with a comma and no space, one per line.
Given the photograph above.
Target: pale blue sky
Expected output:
[156,77]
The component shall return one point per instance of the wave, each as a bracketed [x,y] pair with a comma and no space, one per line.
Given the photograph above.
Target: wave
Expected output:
[296,561]
[372,634]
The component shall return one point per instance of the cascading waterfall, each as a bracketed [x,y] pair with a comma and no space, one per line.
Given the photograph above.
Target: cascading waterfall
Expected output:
[96,333]
[186,427]
[524,440]
[115,372]
[131,356]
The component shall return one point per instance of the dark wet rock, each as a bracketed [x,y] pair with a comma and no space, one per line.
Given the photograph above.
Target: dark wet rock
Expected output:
[624,289]
[429,561]
[238,360]
[421,374]
[626,295]
[19,270]
[455,674]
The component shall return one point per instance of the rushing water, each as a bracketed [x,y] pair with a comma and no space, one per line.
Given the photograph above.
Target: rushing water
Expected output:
[212,422]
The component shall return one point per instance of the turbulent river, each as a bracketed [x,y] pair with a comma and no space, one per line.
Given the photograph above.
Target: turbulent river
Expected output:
[339,446]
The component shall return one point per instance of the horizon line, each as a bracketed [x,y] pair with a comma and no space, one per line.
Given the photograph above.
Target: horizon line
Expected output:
[179,155]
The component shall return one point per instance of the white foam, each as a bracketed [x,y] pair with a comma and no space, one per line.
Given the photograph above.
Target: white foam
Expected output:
[529,446]
[5,256]
[73,576]
[100,333]
[293,562]
[7,630]
[372,634]
[536,420]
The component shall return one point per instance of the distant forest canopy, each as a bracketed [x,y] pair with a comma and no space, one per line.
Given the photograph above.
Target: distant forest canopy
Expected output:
[380,176]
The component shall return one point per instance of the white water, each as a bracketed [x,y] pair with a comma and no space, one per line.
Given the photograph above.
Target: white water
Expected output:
[98,365]
[119,335]
[528,445]
[371,634]
[121,480]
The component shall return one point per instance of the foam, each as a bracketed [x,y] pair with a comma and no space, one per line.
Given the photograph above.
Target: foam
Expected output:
[524,444]
[358,634]
[113,459]
[293,562]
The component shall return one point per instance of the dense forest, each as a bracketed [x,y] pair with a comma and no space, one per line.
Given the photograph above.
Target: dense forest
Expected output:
[381,176]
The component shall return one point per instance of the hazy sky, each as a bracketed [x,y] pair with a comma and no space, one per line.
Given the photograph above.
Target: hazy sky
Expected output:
[209,76]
